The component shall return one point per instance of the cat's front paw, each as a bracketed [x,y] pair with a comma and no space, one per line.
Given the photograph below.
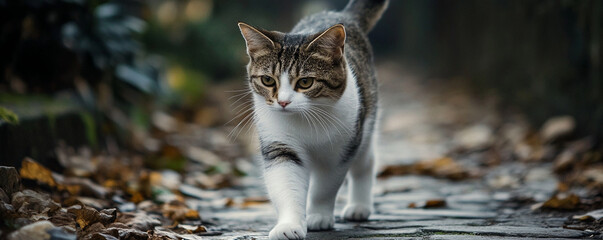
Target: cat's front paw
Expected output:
[356,212]
[287,231]
[319,222]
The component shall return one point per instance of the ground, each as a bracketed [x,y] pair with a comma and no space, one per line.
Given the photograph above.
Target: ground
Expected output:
[421,121]
[452,165]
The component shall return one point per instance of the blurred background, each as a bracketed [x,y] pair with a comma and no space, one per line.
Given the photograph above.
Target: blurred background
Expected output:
[141,106]
[114,75]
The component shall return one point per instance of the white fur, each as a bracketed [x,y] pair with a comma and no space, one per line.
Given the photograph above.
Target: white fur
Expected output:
[319,138]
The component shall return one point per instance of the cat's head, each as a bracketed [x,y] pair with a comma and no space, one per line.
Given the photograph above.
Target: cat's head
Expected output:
[292,72]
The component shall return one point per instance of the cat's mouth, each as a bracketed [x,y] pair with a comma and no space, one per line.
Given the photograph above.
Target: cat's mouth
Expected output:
[287,111]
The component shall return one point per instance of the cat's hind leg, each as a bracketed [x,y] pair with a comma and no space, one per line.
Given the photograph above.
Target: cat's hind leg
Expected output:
[360,183]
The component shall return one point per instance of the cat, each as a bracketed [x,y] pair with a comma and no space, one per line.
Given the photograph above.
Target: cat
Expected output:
[315,111]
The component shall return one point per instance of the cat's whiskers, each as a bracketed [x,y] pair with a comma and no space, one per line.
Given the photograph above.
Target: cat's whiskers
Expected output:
[239,113]
[245,104]
[335,120]
[322,123]
[249,120]
[242,121]
[332,119]
[241,96]
[328,119]
[307,116]
[236,90]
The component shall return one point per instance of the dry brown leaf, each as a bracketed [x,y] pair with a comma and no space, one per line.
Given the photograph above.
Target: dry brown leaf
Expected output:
[136,197]
[29,202]
[32,170]
[568,202]
[435,203]
[564,161]
[592,215]
[86,216]
[592,177]
[394,170]
[253,201]
[191,214]
[440,167]
[557,127]
[229,202]
[431,203]
[199,229]
[177,211]
[138,220]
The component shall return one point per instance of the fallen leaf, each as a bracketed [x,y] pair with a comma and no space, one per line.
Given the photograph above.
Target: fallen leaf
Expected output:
[440,167]
[32,170]
[474,137]
[138,220]
[192,229]
[229,202]
[80,163]
[445,167]
[83,186]
[86,216]
[432,203]
[164,121]
[435,203]
[592,177]
[29,202]
[592,215]
[562,202]
[564,161]
[178,211]
[214,181]
[395,170]
[253,201]
[562,187]
[557,127]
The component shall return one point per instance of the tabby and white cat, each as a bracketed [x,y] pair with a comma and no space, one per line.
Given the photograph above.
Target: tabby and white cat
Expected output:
[315,108]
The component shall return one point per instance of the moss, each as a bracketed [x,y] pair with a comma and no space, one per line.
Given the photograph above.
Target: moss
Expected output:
[6,115]
[90,126]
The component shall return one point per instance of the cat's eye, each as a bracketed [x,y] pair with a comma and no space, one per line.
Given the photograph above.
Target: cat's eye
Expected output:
[268,81]
[305,83]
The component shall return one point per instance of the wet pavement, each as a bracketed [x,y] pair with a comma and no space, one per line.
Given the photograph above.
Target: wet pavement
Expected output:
[421,121]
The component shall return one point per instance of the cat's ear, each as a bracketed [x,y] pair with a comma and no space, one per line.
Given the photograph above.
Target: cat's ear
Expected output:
[329,42]
[258,42]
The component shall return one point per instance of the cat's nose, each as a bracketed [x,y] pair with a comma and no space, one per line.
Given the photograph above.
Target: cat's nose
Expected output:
[284,103]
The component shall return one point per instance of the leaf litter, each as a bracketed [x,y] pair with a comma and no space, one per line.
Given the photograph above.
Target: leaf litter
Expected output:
[121,196]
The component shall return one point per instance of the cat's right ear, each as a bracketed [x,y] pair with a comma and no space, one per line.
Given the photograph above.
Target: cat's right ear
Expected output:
[258,43]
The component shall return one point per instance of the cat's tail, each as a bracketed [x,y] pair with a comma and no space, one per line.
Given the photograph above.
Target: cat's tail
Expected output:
[368,12]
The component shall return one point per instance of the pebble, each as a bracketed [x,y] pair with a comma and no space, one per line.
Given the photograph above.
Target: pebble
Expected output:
[35,231]
[10,181]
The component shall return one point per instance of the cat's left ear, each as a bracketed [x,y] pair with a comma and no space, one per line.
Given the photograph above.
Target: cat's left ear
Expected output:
[329,42]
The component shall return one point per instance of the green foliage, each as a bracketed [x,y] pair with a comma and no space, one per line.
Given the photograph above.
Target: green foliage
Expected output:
[6,115]
[90,126]
[208,47]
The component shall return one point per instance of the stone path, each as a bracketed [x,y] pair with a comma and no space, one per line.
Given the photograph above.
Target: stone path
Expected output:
[419,122]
